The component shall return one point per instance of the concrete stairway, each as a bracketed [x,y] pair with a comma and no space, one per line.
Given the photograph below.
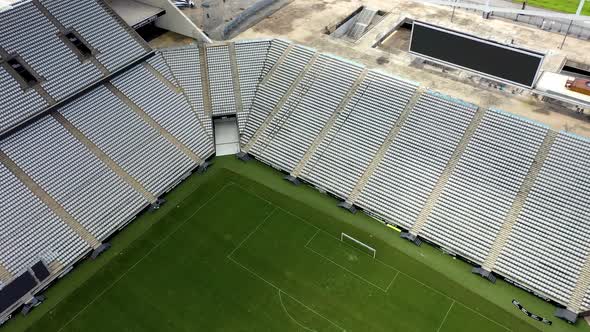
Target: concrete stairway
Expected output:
[277,64]
[326,129]
[5,275]
[446,174]
[582,285]
[391,136]
[205,81]
[145,117]
[363,20]
[49,201]
[235,78]
[519,201]
[55,266]
[281,102]
[104,157]
[161,78]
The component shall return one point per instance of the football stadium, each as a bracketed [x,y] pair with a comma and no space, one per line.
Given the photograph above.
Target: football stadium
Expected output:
[294,165]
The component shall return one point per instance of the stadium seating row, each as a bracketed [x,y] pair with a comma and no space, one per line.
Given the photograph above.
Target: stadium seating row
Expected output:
[34,41]
[82,172]
[443,169]
[504,192]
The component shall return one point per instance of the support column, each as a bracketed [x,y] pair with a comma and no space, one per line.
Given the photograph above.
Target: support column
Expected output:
[161,78]
[5,275]
[235,78]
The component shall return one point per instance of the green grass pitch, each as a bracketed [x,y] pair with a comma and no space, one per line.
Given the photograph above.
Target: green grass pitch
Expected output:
[566,6]
[240,249]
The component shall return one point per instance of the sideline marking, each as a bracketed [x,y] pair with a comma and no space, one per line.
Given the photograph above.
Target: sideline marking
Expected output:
[146,255]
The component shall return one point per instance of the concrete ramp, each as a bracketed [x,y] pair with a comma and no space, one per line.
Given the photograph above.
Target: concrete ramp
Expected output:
[363,20]
[226,137]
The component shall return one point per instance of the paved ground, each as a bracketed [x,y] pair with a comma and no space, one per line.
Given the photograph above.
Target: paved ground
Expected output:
[305,22]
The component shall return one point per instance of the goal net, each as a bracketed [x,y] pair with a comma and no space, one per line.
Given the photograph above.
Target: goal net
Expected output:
[358,244]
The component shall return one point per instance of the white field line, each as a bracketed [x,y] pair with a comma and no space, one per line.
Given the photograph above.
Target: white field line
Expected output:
[391,282]
[311,239]
[145,256]
[345,269]
[377,259]
[291,317]
[252,232]
[279,289]
[446,315]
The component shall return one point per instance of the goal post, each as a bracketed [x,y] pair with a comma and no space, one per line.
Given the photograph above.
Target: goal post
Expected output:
[358,244]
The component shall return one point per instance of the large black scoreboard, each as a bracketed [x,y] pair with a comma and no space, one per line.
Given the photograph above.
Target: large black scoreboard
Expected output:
[505,63]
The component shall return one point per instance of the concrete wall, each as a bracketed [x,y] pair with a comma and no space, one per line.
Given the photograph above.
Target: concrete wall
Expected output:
[176,21]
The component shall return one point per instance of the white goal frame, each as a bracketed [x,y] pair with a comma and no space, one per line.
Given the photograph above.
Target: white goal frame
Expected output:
[344,235]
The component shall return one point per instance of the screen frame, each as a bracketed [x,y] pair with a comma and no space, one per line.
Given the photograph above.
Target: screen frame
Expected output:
[536,54]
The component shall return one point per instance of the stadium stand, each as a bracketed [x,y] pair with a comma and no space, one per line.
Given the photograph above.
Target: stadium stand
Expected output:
[460,191]
[184,63]
[30,228]
[305,112]
[168,108]
[34,33]
[491,169]
[398,193]
[117,43]
[268,95]
[219,73]
[538,256]
[81,159]
[97,199]
[144,154]
[157,65]
[501,191]
[358,132]
[251,57]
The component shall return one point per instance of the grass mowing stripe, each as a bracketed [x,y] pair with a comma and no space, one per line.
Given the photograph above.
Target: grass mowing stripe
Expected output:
[146,255]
